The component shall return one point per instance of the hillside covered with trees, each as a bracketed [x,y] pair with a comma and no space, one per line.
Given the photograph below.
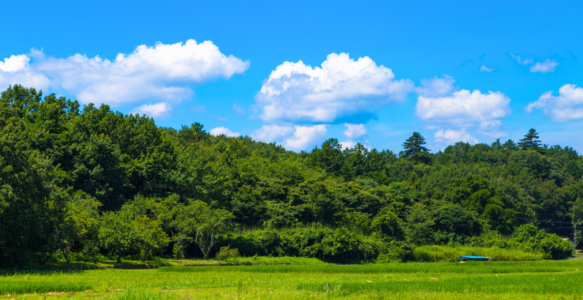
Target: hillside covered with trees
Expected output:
[87,182]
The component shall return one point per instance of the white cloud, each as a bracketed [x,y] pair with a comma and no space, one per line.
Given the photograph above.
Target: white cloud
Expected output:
[435,87]
[305,136]
[568,105]
[158,110]
[492,129]
[291,137]
[485,69]
[16,70]
[164,72]
[347,144]
[354,131]
[440,105]
[14,63]
[340,87]
[271,133]
[547,66]
[526,61]
[224,131]
[462,107]
[452,136]
[238,109]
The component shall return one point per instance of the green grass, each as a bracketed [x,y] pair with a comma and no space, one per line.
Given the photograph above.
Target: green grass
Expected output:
[22,287]
[452,268]
[451,254]
[566,284]
[473,280]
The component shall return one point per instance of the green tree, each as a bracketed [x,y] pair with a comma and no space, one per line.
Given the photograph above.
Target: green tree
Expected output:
[531,141]
[202,223]
[83,211]
[419,225]
[131,231]
[31,203]
[415,149]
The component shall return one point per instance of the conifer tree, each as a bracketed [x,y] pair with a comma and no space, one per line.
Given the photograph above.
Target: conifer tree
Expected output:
[414,145]
[415,150]
[531,141]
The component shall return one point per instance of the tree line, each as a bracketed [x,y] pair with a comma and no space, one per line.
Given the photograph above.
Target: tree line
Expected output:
[88,182]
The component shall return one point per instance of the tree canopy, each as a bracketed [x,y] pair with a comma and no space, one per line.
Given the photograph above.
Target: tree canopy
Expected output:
[91,182]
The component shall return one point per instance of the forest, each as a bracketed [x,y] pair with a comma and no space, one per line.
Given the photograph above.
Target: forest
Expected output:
[84,183]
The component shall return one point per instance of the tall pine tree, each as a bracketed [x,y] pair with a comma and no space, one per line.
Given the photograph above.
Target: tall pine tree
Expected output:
[531,141]
[415,150]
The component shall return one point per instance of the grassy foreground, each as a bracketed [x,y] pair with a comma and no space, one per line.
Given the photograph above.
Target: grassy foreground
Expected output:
[308,279]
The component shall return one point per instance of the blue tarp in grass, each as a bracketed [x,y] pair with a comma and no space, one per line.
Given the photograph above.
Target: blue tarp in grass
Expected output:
[471,257]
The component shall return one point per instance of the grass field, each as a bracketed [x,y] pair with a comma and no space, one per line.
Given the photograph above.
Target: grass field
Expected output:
[307,278]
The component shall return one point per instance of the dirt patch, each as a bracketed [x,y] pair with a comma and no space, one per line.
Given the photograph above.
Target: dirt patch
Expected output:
[58,294]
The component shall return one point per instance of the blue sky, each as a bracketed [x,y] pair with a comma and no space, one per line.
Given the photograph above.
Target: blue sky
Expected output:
[371,72]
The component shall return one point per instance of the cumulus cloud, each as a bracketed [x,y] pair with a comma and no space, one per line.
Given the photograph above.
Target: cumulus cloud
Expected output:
[224,131]
[305,136]
[271,133]
[440,105]
[568,105]
[291,137]
[164,72]
[341,86]
[485,69]
[354,131]
[16,69]
[452,136]
[158,110]
[347,144]
[546,66]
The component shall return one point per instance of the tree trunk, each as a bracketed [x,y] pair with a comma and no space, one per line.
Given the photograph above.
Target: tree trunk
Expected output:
[119,259]
[208,251]
[65,255]
[47,258]
[92,257]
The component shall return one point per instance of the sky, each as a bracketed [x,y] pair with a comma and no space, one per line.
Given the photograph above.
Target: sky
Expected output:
[299,72]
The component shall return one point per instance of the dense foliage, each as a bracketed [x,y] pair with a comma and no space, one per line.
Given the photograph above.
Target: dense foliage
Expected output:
[95,182]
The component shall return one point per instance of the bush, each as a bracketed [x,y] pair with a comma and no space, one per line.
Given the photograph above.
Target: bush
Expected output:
[540,241]
[227,253]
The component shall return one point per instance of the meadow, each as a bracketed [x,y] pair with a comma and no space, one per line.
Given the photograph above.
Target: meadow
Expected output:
[305,278]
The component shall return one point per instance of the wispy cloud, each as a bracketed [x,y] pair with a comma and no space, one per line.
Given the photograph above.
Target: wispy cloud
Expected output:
[546,66]
[238,109]
[485,69]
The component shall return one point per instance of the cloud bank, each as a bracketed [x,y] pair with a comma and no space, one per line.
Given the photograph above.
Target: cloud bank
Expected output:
[440,105]
[568,105]
[341,86]
[163,72]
